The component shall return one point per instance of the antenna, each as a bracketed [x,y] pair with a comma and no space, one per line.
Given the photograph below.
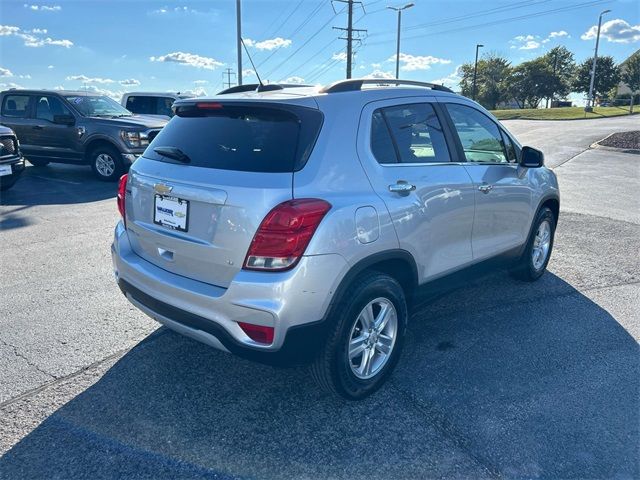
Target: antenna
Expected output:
[252,64]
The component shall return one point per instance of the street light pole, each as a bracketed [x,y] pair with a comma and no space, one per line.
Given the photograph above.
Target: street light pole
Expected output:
[399,10]
[238,40]
[589,106]
[475,72]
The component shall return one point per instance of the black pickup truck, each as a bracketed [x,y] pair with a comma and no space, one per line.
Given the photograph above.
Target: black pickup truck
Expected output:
[77,127]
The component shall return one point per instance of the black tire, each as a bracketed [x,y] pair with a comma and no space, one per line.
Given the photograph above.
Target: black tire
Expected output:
[525,269]
[39,163]
[97,159]
[332,368]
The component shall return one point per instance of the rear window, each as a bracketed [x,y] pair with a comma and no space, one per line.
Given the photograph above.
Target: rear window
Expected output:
[15,106]
[249,138]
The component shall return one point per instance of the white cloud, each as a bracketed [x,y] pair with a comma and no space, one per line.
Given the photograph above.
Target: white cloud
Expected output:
[31,37]
[196,92]
[85,79]
[9,85]
[200,82]
[116,95]
[189,59]
[168,10]
[525,42]
[8,30]
[376,65]
[248,72]
[50,67]
[452,80]
[417,62]
[130,82]
[618,31]
[5,72]
[43,8]
[270,44]
[342,56]
[380,74]
[294,80]
[559,34]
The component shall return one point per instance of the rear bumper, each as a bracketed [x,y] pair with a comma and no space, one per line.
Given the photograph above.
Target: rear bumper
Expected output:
[292,302]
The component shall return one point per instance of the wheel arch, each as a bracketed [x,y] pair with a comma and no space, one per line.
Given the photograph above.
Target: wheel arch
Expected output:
[398,264]
[95,143]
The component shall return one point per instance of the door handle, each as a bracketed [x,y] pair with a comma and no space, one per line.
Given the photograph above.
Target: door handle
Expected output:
[38,127]
[402,187]
[485,188]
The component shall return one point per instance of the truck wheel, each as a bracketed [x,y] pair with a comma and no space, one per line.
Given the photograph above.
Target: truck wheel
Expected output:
[366,339]
[537,253]
[106,163]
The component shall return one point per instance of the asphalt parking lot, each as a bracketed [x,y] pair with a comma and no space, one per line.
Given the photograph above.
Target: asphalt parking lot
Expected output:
[499,378]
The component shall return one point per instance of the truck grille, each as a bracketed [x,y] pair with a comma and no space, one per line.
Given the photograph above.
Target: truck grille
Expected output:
[8,146]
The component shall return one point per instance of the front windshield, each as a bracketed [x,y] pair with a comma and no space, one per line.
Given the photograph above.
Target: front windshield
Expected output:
[98,106]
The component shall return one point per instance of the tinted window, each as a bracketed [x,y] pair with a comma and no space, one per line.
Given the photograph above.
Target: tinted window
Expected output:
[15,106]
[479,135]
[48,107]
[142,105]
[416,133]
[381,142]
[244,138]
[163,106]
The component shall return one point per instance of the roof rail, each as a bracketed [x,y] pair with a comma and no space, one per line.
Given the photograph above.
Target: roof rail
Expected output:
[357,83]
[256,87]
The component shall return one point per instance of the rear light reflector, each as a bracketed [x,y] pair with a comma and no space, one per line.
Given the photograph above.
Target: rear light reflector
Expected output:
[122,191]
[258,333]
[284,234]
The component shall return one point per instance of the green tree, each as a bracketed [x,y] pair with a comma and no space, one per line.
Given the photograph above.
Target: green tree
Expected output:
[490,87]
[631,75]
[607,76]
[562,66]
[530,82]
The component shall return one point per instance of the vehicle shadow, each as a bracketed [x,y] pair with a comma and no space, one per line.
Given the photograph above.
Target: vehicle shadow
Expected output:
[57,184]
[543,385]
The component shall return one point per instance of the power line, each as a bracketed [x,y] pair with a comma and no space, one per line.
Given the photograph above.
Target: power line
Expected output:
[505,20]
[228,72]
[350,31]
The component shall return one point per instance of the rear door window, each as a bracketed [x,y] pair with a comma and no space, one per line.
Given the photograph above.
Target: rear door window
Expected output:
[47,108]
[16,106]
[251,138]
[415,131]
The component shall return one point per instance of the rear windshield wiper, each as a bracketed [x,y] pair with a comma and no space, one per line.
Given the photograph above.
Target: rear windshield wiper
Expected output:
[172,152]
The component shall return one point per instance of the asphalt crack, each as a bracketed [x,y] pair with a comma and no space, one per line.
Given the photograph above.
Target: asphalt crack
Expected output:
[26,359]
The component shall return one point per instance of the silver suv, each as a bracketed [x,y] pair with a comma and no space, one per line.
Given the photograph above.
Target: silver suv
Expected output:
[294,225]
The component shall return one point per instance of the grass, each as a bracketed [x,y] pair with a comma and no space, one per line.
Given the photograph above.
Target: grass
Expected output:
[564,113]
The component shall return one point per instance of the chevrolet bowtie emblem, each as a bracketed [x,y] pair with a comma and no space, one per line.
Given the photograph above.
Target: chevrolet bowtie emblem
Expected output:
[162,189]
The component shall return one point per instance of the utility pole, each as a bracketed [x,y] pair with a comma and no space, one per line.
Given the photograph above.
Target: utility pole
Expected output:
[399,10]
[350,30]
[228,72]
[589,107]
[238,40]
[475,73]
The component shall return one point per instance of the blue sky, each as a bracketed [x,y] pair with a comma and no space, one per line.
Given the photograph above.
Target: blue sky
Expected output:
[116,46]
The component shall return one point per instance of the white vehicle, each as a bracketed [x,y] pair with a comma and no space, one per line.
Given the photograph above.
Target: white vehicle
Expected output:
[152,103]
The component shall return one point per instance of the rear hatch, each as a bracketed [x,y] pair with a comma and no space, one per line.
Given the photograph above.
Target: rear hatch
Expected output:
[199,192]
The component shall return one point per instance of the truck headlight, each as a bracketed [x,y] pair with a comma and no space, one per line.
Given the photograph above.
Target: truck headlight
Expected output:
[135,139]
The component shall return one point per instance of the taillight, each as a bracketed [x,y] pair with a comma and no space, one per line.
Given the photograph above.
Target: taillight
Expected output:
[285,233]
[258,333]
[122,191]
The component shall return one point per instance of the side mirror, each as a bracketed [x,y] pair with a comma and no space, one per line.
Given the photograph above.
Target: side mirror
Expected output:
[531,157]
[64,119]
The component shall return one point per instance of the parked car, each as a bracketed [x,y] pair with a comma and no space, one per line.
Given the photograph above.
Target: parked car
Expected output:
[11,161]
[78,128]
[152,103]
[294,226]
